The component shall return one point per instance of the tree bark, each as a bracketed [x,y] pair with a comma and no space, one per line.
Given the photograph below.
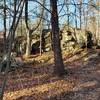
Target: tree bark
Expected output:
[59,66]
[4,35]
[41,24]
[11,39]
[28,46]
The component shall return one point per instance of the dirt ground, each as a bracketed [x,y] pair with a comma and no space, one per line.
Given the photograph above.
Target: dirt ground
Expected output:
[36,82]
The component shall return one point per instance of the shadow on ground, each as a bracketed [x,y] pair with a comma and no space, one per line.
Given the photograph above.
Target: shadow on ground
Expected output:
[37,83]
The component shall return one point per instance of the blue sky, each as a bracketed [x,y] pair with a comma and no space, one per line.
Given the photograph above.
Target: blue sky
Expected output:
[62,20]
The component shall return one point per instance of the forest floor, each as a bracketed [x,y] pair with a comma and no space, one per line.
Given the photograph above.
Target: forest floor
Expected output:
[35,81]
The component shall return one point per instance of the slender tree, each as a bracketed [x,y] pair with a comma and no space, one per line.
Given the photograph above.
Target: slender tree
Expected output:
[30,30]
[41,24]
[4,26]
[59,66]
[11,39]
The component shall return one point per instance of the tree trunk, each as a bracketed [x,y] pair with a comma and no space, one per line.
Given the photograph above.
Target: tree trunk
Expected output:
[28,45]
[41,24]
[75,16]
[59,66]
[11,40]
[4,35]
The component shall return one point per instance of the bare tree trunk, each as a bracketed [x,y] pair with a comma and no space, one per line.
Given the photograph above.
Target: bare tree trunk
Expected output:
[98,25]
[11,39]
[4,48]
[28,46]
[68,17]
[59,66]
[41,25]
[7,69]
[76,16]
[80,10]
[30,30]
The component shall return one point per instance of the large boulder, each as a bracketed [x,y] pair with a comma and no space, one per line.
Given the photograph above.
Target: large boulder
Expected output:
[89,39]
[84,38]
[67,40]
[81,38]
